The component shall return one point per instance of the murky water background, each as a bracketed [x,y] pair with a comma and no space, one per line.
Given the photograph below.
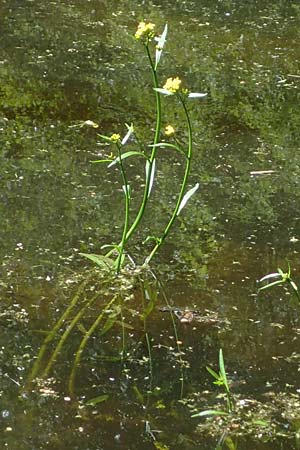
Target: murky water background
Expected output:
[62,62]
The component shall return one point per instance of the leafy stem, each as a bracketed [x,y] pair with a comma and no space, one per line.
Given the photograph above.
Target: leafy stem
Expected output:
[127,204]
[153,152]
[178,205]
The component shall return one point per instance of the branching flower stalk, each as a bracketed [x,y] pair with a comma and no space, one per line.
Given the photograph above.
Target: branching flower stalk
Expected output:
[145,34]
[154,149]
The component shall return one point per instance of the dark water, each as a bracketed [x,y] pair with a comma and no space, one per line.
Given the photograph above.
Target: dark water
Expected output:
[65,62]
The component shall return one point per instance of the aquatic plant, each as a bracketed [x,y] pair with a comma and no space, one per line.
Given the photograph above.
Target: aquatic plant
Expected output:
[220,379]
[115,257]
[281,278]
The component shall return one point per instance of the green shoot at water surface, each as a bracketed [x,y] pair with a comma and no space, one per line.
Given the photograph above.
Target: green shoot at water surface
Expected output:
[220,379]
[281,278]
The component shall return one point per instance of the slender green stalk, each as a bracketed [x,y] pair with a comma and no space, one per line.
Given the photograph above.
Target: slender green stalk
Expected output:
[51,335]
[154,149]
[126,220]
[66,334]
[84,341]
[183,185]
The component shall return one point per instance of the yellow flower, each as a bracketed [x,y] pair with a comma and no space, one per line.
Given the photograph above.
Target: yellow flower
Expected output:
[172,84]
[115,138]
[144,30]
[169,130]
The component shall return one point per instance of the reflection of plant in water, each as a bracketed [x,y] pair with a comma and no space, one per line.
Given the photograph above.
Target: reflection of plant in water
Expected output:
[103,309]
[172,87]
[281,278]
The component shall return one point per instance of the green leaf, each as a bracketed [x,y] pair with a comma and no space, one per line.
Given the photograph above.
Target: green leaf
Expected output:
[148,310]
[163,91]
[102,261]
[210,412]
[105,138]
[160,45]
[186,197]
[96,400]
[124,156]
[108,325]
[275,283]
[294,286]
[138,394]
[101,161]
[196,95]
[213,373]
[222,369]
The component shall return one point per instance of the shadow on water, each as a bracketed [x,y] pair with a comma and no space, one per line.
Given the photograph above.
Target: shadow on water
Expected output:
[89,361]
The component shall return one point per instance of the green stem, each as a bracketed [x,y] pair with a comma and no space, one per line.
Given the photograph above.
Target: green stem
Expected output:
[126,221]
[153,153]
[52,334]
[183,184]
[83,343]
[65,335]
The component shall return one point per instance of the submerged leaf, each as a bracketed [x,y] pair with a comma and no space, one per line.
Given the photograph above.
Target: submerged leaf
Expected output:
[102,261]
[96,400]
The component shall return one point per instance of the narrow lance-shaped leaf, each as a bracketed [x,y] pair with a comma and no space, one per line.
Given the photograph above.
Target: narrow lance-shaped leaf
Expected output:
[270,275]
[186,197]
[101,261]
[163,91]
[124,156]
[210,412]
[275,283]
[196,95]
[160,45]
[222,369]
[101,161]
[94,401]
[128,134]
[127,190]
[213,373]
[151,174]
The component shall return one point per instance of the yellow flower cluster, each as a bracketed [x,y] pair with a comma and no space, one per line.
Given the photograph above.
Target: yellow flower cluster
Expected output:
[169,130]
[115,138]
[172,84]
[144,30]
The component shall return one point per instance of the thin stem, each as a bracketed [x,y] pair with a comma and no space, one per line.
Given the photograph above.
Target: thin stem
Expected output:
[153,153]
[83,343]
[126,221]
[183,185]
[52,334]
[65,335]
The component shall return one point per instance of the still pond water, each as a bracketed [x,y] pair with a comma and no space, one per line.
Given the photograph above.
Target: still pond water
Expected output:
[137,382]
